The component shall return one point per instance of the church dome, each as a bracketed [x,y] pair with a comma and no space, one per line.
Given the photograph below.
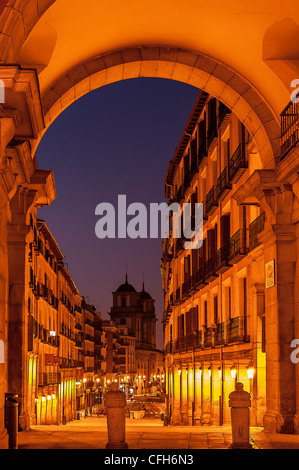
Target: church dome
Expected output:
[144,294]
[126,287]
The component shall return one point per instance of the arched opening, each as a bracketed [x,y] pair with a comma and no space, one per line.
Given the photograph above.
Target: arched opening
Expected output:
[205,58]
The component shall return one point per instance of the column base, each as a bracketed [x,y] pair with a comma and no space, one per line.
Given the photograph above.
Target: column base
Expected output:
[278,423]
[240,446]
[184,419]
[176,418]
[24,421]
[121,445]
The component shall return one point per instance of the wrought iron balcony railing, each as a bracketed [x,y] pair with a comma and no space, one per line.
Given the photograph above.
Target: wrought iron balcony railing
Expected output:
[238,247]
[237,164]
[289,128]
[255,228]
[223,185]
[211,200]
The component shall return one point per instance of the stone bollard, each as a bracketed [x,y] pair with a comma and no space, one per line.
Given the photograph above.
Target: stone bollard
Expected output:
[115,403]
[239,401]
[12,420]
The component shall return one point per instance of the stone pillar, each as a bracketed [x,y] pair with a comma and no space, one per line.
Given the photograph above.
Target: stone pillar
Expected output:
[18,231]
[279,245]
[176,400]
[184,395]
[216,394]
[197,394]
[239,401]
[115,403]
[7,187]
[190,397]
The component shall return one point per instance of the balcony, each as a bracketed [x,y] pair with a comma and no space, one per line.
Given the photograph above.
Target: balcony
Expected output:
[170,347]
[238,247]
[220,334]
[237,164]
[289,128]
[222,259]
[198,340]
[200,277]
[223,115]
[178,296]
[208,338]
[235,331]
[212,133]
[255,228]
[223,185]
[179,195]
[186,287]
[48,378]
[202,151]
[187,181]
[211,201]
[179,245]
[210,269]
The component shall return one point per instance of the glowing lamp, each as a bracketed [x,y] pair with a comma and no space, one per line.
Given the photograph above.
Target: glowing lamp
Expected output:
[250,372]
[210,372]
[233,372]
[43,398]
[108,381]
[53,396]
[49,397]
[220,372]
[84,380]
[179,371]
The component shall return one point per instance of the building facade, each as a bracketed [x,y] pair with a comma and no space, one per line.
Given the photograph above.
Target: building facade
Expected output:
[133,314]
[214,318]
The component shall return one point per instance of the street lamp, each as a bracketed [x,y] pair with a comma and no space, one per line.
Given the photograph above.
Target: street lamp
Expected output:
[233,371]
[250,371]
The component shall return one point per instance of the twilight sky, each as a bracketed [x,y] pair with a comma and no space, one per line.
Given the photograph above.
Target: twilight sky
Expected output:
[115,140]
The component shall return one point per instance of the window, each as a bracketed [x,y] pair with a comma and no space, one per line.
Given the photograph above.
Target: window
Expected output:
[215,309]
[205,312]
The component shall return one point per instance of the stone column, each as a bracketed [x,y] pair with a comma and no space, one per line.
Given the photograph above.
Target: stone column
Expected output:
[176,403]
[8,120]
[184,395]
[190,398]
[18,231]
[197,393]
[279,245]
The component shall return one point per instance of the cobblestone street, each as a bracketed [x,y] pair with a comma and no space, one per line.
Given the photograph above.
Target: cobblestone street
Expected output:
[91,433]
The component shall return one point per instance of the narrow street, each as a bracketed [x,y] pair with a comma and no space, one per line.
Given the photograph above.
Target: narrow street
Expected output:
[91,433]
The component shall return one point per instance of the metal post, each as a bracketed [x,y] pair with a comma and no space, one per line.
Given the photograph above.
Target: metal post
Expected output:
[240,402]
[115,403]
[11,419]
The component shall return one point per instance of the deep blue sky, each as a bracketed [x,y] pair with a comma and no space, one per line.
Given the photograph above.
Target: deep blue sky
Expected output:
[115,140]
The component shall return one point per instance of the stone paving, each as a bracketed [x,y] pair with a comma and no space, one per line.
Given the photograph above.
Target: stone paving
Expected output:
[91,433]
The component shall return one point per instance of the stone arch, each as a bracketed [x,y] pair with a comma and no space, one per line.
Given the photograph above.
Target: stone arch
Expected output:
[18,18]
[176,64]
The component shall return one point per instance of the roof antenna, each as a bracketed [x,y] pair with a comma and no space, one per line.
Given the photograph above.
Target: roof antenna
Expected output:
[143,283]
[126,273]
